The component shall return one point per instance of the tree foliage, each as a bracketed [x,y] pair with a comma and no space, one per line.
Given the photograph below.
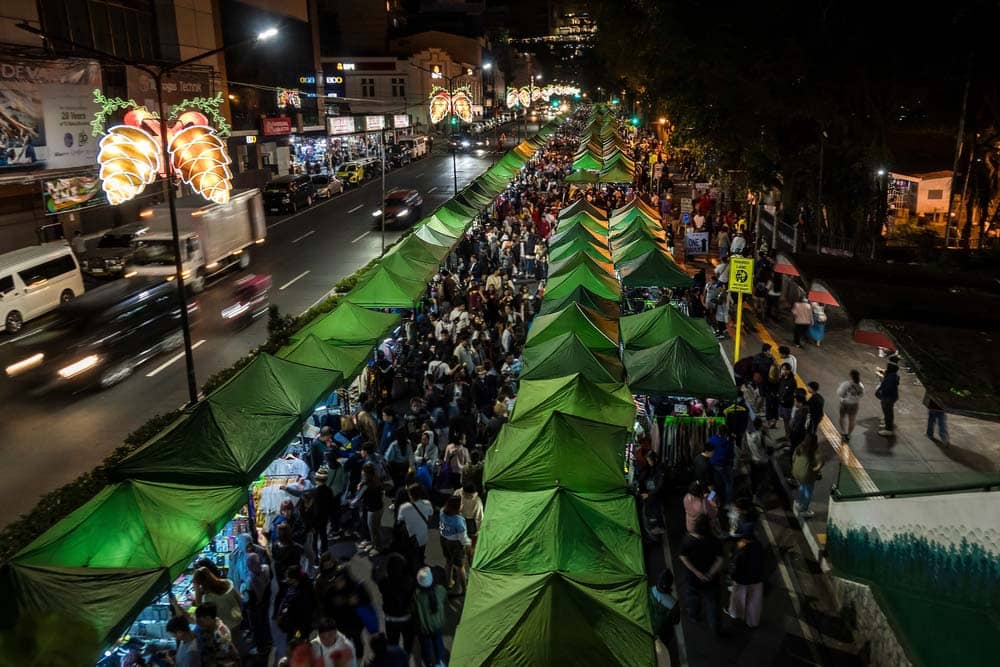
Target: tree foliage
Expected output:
[754,86]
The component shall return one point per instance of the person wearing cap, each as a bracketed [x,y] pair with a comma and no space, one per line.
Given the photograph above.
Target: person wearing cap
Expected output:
[429,611]
[747,596]
[888,393]
[663,608]
[330,648]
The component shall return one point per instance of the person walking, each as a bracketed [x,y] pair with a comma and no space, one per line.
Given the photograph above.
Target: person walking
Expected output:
[428,610]
[850,393]
[802,317]
[722,464]
[747,596]
[887,393]
[936,415]
[701,555]
[759,461]
[786,396]
[664,611]
[397,588]
[700,500]
[454,543]
[814,405]
[370,499]
[818,327]
[806,467]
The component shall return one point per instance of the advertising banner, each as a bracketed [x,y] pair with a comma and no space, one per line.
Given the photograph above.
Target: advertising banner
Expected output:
[271,127]
[177,87]
[374,122]
[340,125]
[72,193]
[45,113]
[696,243]
[400,120]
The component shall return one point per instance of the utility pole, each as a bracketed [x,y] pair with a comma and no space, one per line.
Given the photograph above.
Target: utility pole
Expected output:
[958,153]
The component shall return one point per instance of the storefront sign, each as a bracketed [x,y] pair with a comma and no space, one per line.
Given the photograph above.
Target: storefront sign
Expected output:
[340,125]
[71,193]
[685,204]
[696,243]
[276,126]
[45,114]
[436,72]
[177,86]
[289,97]
[345,67]
[400,120]
[251,138]
[374,122]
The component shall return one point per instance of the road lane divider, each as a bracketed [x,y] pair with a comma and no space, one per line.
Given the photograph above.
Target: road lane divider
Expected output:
[356,208]
[306,235]
[361,236]
[175,358]
[294,280]
[432,189]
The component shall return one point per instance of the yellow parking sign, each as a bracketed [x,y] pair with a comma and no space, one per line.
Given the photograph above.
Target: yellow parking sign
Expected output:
[741,275]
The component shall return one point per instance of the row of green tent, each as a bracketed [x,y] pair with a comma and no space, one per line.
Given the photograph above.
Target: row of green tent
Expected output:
[603,154]
[115,554]
[558,576]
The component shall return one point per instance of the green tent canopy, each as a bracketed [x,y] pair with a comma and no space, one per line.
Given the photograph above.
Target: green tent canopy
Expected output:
[574,395]
[582,275]
[348,324]
[633,215]
[571,248]
[597,332]
[347,359]
[433,234]
[577,233]
[561,530]
[562,451]
[382,288]
[676,368]
[410,261]
[551,618]
[587,159]
[583,206]
[617,173]
[583,296]
[567,354]
[663,323]
[597,225]
[654,269]
[232,435]
[636,248]
[584,176]
[562,266]
[624,237]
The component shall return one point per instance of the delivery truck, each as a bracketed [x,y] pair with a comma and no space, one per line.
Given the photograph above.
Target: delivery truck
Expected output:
[214,238]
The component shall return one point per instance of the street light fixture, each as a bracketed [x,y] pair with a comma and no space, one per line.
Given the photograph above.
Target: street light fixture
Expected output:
[880,172]
[157,72]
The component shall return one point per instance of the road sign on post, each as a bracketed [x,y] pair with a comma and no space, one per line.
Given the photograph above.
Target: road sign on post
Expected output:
[741,282]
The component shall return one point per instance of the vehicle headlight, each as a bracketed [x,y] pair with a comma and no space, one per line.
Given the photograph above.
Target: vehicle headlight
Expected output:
[25,364]
[465,144]
[78,367]
[402,214]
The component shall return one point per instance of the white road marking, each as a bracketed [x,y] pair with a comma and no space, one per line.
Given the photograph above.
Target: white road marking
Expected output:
[307,234]
[358,207]
[176,357]
[361,237]
[420,174]
[303,211]
[24,335]
[389,192]
[432,189]
[293,280]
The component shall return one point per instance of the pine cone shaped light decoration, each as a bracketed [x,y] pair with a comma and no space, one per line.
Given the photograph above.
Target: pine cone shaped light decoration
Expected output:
[130,160]
[199,156]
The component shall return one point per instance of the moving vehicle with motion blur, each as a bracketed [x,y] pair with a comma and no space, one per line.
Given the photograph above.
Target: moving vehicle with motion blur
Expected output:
[34,281]
[402,208]
[113,251]
[419,146]
[214,238]
[99,339]
[289,193]
[252,296]
[326,186]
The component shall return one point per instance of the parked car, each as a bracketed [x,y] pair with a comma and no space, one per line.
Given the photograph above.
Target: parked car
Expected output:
[34,281]
[402,208]
[398,155]
[113,250]
[326,186]
[289,193]
[419,146]
[351,173]
[99,339]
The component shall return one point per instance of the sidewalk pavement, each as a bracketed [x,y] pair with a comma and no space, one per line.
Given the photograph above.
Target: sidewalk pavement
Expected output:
[870,456]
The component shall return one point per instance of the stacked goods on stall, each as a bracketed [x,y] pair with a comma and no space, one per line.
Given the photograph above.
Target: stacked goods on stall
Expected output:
[558,575]
[124,548]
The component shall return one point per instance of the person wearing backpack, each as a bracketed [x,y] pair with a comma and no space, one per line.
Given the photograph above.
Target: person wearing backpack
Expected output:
[429,605]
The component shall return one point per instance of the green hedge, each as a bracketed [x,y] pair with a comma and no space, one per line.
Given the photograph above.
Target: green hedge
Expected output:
[55,505]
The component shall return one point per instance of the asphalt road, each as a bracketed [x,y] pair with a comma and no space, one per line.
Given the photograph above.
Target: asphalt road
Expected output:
[50,440]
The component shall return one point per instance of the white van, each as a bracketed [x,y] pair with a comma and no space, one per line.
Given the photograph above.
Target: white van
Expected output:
[34,280]
[419,146]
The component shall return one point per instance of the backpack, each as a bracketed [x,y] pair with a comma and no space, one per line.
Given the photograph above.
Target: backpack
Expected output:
[774,374]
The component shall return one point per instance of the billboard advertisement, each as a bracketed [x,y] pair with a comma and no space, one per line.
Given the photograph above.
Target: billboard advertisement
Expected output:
[177,86]
[72,193]
[45,113]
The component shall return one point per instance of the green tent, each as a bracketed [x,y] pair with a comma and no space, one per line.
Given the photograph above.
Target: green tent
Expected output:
[382,288]
[597,225]
[571,248]
[617,173]
[583,176]
[676,368]
[232,435]
[597,332]
[348,324]
[570,262]
[347,359]
[567,354]
[588,160]
[623,252]
[409,261]
[625,220]
[577,233]
[552,618]
[596,281]
[583,206]
[663,323]
[636,232]
[583,296]
[109,558]
[435,235]
[575,395]
[654,269]
[562,451]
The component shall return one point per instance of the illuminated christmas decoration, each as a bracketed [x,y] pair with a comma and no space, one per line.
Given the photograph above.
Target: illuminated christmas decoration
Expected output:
[524,96]
[289,97]
[512,99]
[130,153]
[444,104]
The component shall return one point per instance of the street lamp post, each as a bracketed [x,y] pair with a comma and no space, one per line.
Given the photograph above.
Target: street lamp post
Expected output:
[157,73]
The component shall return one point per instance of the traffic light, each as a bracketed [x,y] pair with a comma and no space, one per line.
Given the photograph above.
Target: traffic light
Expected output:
[555,104]
[454,120]
[576,96]
[614,100]
[635,121]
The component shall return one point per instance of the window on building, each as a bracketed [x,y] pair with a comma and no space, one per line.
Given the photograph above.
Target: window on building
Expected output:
[124,28]
[368,87]
[398,87]
[935,194]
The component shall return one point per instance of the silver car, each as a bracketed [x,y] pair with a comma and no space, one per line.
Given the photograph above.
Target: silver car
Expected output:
[327,186]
